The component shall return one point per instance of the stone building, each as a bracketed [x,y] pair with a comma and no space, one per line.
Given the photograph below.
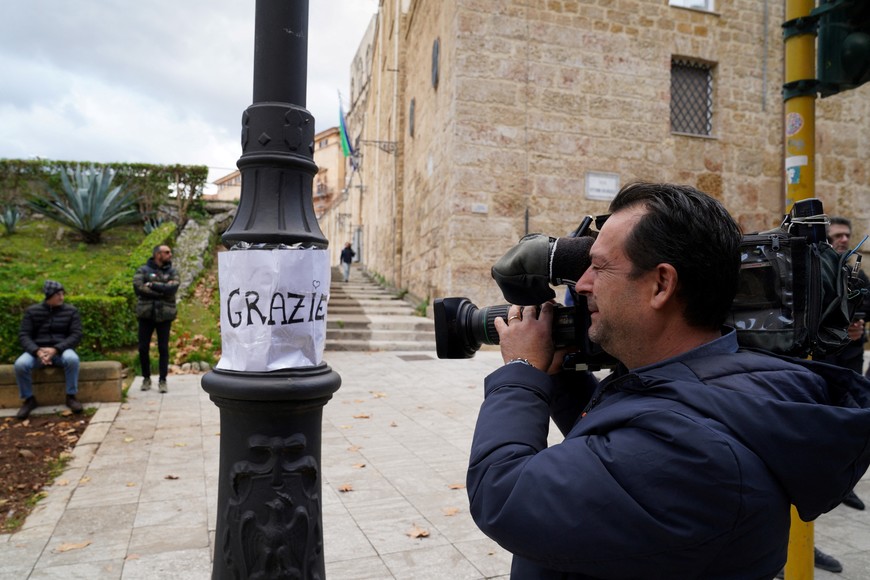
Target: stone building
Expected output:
[330,179]
[342,223]
[482,120]
[229,187]
[328,183]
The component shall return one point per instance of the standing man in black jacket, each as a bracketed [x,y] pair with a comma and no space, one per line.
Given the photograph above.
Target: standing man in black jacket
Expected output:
[839,233]
[49,332]
[155,283]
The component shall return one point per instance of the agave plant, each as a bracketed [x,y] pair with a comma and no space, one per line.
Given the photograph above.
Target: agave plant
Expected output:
[9,218]
[152,224]
[88,203]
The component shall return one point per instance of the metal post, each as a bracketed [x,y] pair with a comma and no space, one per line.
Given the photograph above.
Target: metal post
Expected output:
[799,91]
[269,522]
[800,102]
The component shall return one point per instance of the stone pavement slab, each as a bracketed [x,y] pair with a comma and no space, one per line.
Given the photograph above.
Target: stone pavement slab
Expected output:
[139,499]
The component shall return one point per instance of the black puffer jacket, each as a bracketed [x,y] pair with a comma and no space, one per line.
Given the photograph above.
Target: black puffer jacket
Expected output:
[59,327]
[156,287]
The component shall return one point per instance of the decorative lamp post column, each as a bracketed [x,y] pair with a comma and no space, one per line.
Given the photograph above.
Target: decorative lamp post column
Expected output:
[271,384]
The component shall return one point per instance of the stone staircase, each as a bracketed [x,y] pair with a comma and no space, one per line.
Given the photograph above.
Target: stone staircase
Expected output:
[362,315]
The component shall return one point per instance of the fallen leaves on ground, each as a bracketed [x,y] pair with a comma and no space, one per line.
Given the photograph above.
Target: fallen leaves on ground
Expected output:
[417,532]
[29,450]
[345,487]
[73,546]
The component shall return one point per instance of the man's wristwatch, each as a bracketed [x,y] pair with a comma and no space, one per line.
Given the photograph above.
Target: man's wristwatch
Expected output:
[524,361]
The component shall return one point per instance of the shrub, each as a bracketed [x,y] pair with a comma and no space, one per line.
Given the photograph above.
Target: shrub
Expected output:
[107,323]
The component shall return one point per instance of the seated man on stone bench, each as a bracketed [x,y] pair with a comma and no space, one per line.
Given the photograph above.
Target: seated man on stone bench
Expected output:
[49,332]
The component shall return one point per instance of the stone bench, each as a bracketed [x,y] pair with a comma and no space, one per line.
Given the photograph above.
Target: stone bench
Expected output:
[99,382]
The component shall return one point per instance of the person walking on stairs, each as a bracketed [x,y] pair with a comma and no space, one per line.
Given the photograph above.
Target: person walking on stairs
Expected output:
[347,255]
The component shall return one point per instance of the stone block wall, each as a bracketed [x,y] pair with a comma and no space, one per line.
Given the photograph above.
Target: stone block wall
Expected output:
[533,95]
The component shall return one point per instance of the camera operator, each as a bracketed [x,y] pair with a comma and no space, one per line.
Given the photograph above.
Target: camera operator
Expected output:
[684,461]
[839,233]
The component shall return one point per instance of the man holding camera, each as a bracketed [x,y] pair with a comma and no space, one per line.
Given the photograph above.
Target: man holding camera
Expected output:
[839,233]
[684,461]
[852,356]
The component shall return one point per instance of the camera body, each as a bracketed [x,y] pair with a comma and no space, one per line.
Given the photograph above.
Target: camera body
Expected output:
[796,295]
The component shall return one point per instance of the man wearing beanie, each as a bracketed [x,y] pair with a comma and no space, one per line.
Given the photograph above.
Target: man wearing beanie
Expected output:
[49,332]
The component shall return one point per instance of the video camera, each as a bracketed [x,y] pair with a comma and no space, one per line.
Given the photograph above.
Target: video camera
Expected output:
[796,295]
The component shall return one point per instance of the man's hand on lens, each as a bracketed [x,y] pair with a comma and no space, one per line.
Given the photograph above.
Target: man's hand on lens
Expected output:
[527,334]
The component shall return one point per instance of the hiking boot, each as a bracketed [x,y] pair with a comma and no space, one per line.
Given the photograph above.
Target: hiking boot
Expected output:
[146,384]
[826,562]
[161,386]
[73,404]
[853,501]
[27,408]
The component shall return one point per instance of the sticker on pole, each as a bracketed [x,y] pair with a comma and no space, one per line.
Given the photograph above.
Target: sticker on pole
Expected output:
[273,308]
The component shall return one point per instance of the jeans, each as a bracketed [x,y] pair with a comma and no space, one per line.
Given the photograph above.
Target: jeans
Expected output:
[345,269]
[147,327]
[25,364]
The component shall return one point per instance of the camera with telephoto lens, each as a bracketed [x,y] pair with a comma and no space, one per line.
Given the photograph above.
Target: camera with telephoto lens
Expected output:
[525,275]
[796,296]
[461,328]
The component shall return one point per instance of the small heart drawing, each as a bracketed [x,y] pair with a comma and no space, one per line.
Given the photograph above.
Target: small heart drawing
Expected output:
[316,284]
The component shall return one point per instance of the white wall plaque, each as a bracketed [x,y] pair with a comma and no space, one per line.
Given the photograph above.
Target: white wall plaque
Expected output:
[273,308]
[601,186]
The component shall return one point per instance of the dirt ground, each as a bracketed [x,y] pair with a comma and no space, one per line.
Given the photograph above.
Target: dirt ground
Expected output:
[32,453]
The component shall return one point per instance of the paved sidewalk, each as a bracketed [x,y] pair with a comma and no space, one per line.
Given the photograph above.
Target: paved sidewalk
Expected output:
[139,499]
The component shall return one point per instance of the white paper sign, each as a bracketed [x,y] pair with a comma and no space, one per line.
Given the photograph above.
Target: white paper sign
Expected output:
[273,308]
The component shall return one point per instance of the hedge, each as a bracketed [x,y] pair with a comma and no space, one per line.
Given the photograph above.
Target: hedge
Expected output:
[22,178]
[108,322]
[122,283]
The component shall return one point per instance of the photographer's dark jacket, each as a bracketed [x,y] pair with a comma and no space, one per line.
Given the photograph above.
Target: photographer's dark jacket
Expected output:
[156,301]
[59,327]
[682,469]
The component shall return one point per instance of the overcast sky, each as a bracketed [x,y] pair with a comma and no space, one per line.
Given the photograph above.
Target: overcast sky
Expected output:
[153,81]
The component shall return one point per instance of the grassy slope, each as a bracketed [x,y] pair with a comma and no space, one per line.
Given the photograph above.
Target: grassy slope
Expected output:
[36,252]
[41,249]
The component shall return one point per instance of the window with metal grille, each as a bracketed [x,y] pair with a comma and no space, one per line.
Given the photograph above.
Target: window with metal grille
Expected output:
[691,97]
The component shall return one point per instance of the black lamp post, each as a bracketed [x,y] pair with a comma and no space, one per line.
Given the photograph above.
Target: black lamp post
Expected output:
[269,522]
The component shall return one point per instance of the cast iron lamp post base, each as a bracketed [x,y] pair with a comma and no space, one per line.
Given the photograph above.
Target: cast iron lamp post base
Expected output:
[269,520]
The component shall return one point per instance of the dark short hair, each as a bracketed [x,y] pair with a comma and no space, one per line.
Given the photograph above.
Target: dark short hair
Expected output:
[694,233]
[156,249]
[840,221]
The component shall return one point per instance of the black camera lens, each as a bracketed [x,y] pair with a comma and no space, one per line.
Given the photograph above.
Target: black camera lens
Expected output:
[461,327]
